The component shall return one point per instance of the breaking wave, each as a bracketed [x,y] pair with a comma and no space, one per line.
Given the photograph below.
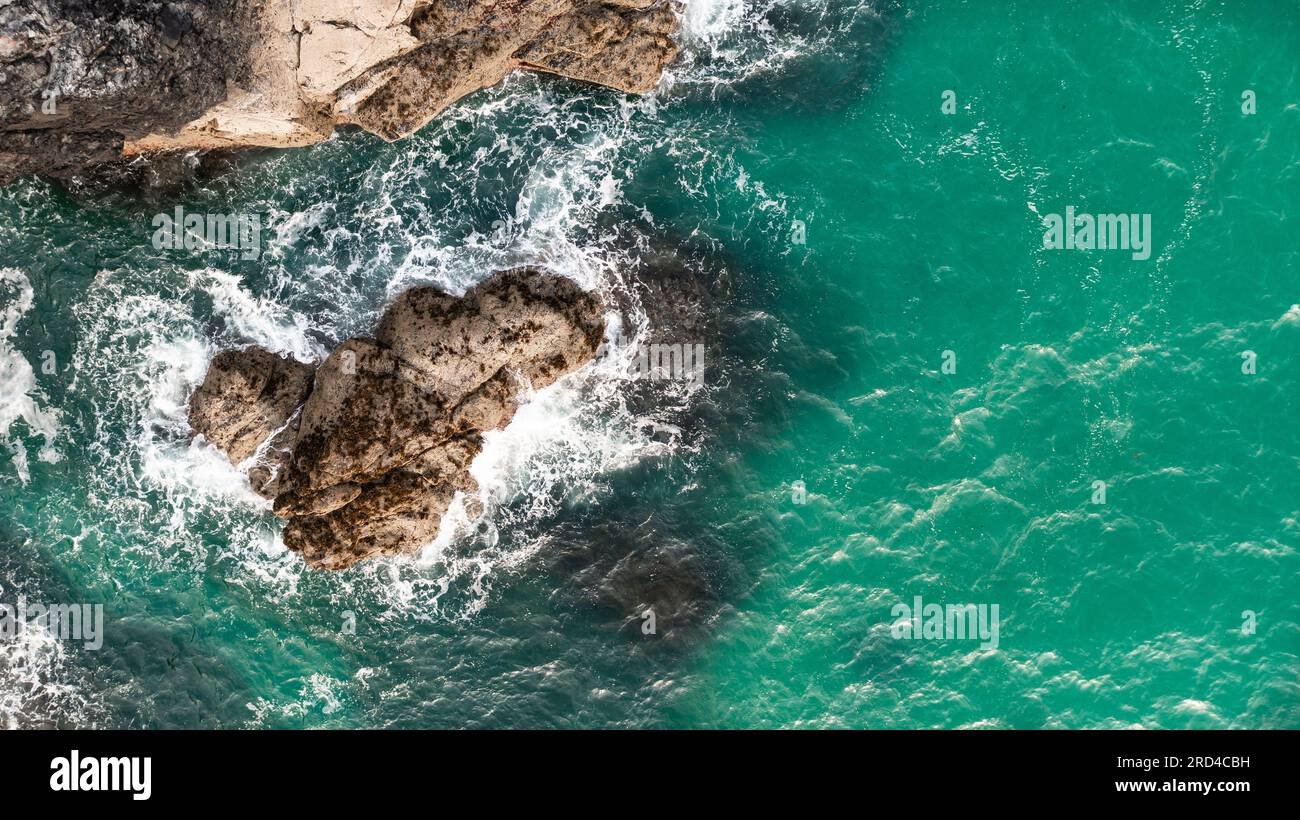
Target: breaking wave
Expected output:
[21,399]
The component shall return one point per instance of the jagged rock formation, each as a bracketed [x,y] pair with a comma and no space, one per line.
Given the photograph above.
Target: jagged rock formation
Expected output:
[88,81]
[365,459]
[250,397]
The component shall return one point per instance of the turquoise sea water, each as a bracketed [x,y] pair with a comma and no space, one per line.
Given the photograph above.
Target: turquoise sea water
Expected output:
[921,233]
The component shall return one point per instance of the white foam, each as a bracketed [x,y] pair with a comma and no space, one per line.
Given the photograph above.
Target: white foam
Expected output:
[288,228]
[20,396]
[708,21]
[25,662]
[142,356]
[726,41]
[168,372]
[317,692]
[1291,317]
[262,321]
[34,681]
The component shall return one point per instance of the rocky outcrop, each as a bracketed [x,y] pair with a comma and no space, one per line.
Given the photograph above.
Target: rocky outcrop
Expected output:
[247,396]
[364,461]
[87,81]
[250,398]
[472,44]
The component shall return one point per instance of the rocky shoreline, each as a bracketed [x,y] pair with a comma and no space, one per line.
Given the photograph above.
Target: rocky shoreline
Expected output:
[89,82]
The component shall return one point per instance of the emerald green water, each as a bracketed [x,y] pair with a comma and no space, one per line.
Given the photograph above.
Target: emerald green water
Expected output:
[922,234]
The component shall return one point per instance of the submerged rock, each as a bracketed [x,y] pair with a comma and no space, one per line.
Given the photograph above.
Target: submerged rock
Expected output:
[83,82]
[385,432]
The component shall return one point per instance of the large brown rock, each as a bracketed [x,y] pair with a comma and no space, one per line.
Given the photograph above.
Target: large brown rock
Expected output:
[624,44]
[473,44]
[385,437]
[246,396]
